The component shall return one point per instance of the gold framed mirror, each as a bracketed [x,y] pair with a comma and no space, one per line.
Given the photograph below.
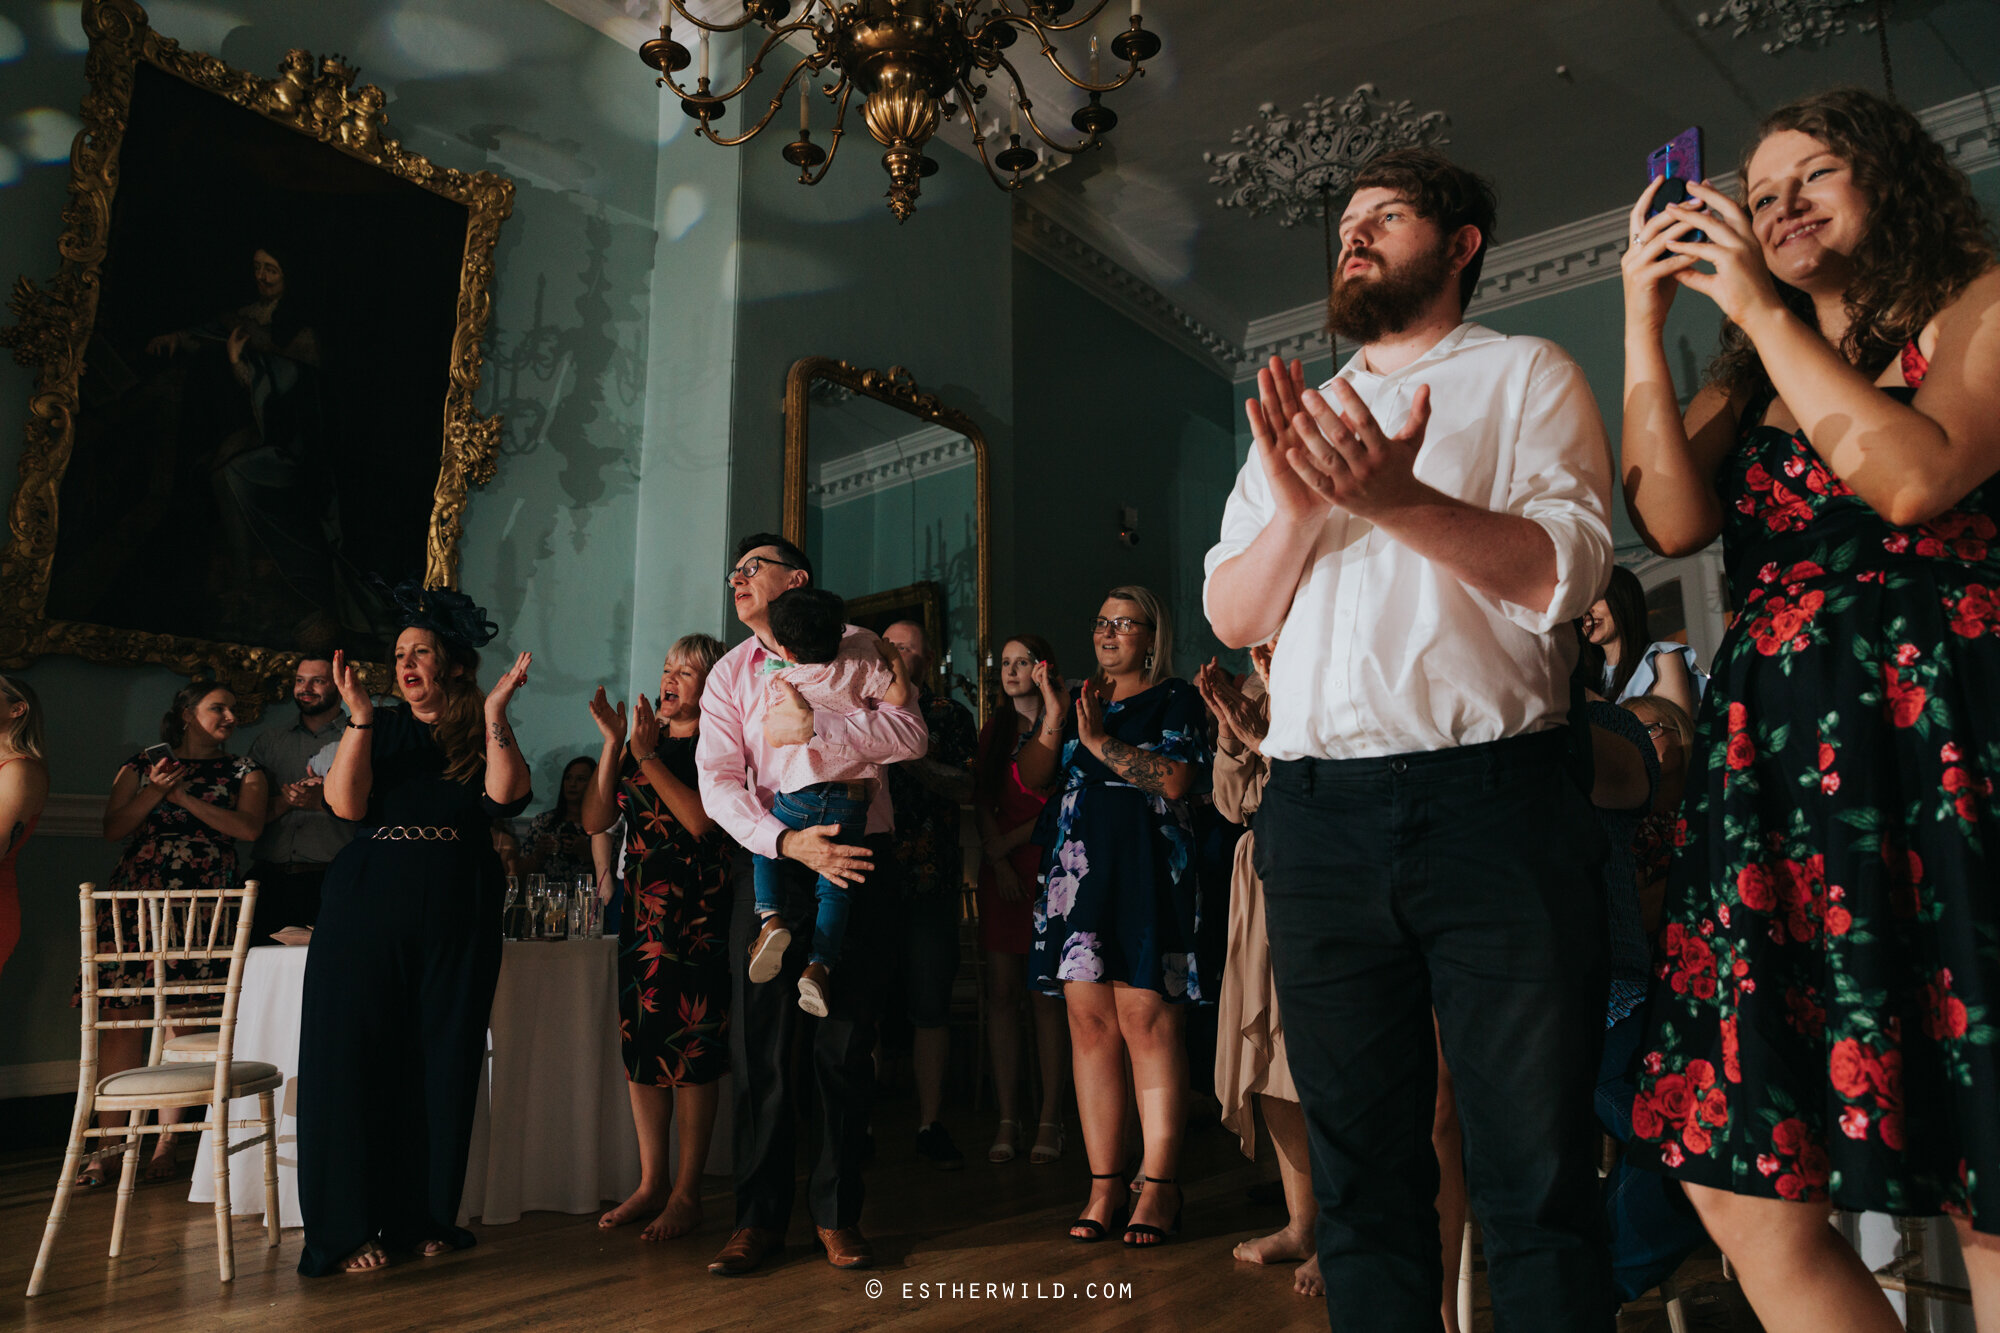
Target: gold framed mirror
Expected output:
[886,491]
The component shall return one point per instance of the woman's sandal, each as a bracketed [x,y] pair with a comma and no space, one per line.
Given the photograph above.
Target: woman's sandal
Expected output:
[1006,1142]
[1044,1150]
[1098,1230]
[91,1175]
[1152,1235]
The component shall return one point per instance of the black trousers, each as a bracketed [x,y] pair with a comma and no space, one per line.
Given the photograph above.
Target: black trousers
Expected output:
[284,898]
[392,1042]
[763,1022]
[1464,880]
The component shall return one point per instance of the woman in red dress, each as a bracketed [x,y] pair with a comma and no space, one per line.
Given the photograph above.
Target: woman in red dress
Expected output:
[1008,873]
[24,786]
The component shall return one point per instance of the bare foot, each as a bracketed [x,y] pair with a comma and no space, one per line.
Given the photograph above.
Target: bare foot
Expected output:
[431,1249]
[1280,1247]
[679,1218]
[365,1259]
[1306,1280]
[642,1201]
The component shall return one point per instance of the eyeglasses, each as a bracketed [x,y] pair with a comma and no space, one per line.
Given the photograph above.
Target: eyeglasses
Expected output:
[1121,626]
[748,569]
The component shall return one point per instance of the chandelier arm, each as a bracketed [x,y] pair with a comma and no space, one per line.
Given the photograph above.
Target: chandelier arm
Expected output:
[777,101]
[1045,25]
[833,147]
[1055,63]
[1028,112]
[755,68]
[979,143]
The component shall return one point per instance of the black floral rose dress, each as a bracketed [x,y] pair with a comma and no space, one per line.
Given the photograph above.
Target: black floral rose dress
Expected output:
[673,946]
[1822,1010]
[171,849]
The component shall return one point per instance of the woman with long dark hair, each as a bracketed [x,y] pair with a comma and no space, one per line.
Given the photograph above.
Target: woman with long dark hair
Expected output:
[1622,660]
[1120,909]
[180,818]
[557,845]
[407,950]
[1009,875]
[1820,1032]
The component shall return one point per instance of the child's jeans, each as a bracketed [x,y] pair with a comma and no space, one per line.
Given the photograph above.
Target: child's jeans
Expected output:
[842,803]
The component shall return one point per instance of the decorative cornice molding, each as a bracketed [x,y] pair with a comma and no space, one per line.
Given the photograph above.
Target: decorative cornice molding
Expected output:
[1132,296]
[1579,253]
[883,467]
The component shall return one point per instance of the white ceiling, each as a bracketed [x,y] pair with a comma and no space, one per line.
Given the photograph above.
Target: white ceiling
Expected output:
[1557,147]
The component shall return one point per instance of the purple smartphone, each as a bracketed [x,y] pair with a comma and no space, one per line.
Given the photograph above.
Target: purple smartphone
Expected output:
[1679,160]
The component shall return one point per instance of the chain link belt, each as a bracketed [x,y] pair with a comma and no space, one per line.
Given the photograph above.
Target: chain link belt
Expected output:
[415,833]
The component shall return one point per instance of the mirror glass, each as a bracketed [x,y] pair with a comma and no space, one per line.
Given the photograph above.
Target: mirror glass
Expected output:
[892,525]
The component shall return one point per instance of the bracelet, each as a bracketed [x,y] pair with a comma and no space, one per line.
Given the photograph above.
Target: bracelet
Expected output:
[352,725]
[645,758]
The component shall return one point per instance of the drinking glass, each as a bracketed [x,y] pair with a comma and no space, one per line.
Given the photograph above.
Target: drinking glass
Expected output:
[555,920]
[538,904]
[582,901]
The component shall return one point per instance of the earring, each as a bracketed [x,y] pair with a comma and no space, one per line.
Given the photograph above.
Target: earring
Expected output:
[1148,665]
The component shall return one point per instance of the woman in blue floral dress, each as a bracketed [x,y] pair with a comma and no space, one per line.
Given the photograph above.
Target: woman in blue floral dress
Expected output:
[1822,1013]
[1119,912]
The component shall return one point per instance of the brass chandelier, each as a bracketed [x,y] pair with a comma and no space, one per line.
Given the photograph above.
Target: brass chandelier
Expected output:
[915,63]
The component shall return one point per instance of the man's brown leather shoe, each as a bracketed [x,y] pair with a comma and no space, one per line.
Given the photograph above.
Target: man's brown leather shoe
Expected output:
[846,1247]
[747,1248]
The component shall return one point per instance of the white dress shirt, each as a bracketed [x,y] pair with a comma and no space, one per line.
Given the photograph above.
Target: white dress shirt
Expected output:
[1386,653]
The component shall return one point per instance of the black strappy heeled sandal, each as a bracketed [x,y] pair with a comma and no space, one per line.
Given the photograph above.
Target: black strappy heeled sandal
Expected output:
[1152,1235]
[1098,1230]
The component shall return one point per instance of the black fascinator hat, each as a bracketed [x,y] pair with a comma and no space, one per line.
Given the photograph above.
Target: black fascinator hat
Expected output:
[445,612]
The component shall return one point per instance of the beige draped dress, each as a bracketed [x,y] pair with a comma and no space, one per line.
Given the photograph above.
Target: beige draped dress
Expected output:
[1250,1039]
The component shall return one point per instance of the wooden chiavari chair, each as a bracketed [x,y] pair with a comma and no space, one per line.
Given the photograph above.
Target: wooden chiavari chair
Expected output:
[172,927]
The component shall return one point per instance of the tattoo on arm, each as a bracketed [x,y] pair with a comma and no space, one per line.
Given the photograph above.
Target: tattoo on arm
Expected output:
[500,737]
[1142,768]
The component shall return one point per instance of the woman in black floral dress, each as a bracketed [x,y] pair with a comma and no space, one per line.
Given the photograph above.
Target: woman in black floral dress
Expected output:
[1822,1032]
[673,945]
[180,818]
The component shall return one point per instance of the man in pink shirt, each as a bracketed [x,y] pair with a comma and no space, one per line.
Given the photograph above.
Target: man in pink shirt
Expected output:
[741,734]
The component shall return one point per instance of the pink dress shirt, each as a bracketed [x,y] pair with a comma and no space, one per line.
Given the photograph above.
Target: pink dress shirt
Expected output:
[740,772]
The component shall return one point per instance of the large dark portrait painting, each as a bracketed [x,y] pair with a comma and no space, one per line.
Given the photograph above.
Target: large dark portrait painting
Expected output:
[270,409]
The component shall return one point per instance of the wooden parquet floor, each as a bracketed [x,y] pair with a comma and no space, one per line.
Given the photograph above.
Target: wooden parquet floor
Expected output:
[985,1224]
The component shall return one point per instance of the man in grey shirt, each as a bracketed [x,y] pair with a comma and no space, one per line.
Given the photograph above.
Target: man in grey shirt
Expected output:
[300,837]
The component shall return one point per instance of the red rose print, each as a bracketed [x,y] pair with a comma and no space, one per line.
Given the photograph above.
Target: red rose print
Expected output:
[1769,573]
[1715,1108]
[1847,1069]
[1767,1164]
[1674,1098]
[1701,1073]
[1890,1127]
[1753,888]
[1825,756]
[1949,752]
[1954,1017]
[1739,718]
[1905,702]
[1789,1135]
[1906,654]
[1671,1154]
[1814,1164]
[1838,920]
[1829,783]
[1966,807]
[1854,1123]
[1742,751]
[1731,1070]
[1654,1061]
[1930,546]
[1790,1187]
[1896,544]
[1696,1138]
[1957,779]
[1645,1119]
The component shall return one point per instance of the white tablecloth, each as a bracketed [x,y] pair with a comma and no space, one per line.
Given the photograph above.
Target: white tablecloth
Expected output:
[553,1130]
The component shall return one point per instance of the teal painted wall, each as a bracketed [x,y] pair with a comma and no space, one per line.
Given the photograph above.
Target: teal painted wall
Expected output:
[1110,416]
[920,531]
[615,452]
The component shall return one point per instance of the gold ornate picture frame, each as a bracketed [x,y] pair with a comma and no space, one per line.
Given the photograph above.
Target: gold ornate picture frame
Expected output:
[56,333]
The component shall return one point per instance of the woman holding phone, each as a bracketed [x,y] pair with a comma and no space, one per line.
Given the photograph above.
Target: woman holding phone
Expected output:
[1821,1032]
[179,807]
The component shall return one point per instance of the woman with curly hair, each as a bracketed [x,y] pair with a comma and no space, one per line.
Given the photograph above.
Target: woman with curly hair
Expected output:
[1821,1031]
[406,954]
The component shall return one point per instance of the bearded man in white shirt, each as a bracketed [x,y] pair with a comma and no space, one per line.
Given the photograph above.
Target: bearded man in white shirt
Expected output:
[1425,526]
